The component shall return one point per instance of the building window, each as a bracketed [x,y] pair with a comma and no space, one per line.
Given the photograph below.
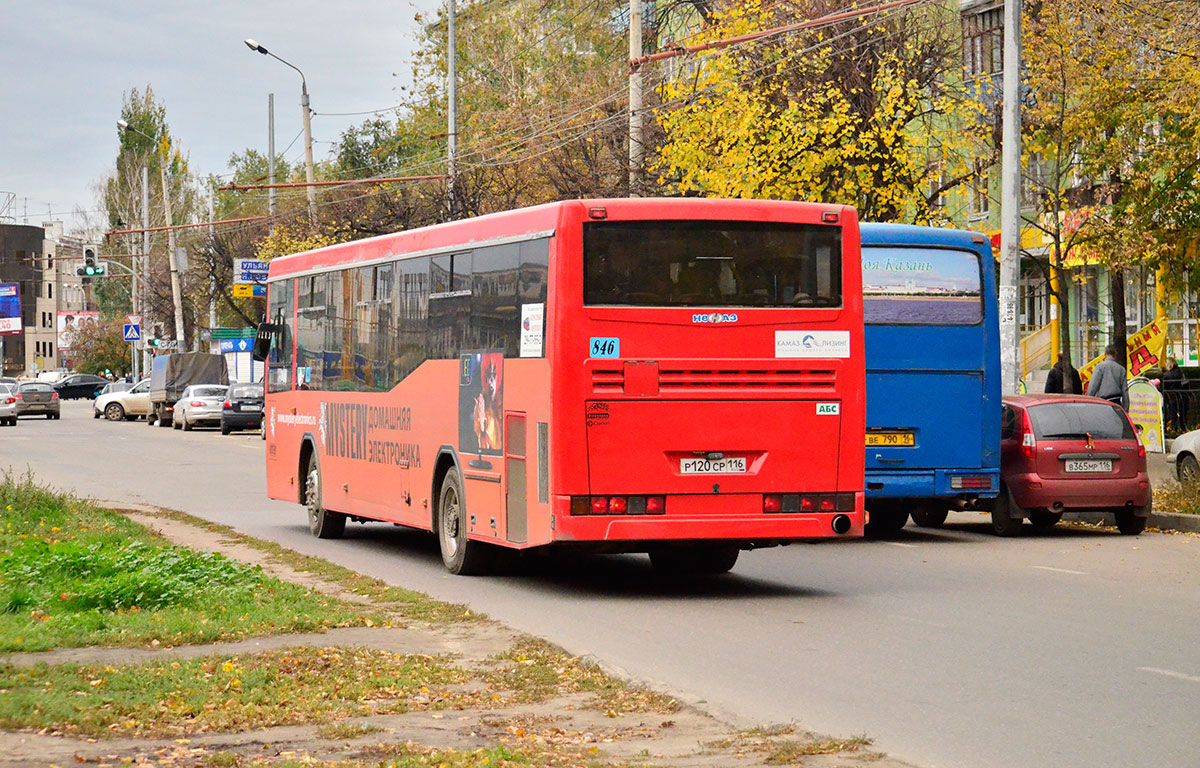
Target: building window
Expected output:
[49,290]
[983,42]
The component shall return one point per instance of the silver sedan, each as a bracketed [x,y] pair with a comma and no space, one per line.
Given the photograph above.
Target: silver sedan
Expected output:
[200,404]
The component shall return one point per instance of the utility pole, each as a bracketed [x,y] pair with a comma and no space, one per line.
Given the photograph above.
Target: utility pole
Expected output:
[635,97]
[176,288]
[1010,198]
[451,112]
[271,155]
[146,352]
[308,156]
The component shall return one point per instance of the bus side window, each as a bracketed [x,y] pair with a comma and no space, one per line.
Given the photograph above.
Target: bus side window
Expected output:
[1008,423]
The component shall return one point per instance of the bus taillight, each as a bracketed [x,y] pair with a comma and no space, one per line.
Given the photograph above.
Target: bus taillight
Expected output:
[599,505]
[772,502]
[617,505]
[656,505]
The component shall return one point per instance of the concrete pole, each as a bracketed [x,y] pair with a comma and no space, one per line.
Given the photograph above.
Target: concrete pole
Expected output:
[308,155]
[635,98]
[271,155]
[146,351]
[452,111]
[1010,199]
[176,287]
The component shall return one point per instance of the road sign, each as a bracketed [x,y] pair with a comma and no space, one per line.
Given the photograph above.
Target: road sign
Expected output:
[234,333]
[133,332]
[246,291]
[249,271]
[237,345]
[168,343]
[133,319]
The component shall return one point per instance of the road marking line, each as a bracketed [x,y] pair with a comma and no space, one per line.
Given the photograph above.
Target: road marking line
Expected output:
[1170,673]
[1059,570]
[919,621]
[899,544]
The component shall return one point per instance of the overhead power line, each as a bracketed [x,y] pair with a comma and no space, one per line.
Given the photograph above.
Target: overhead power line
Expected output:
[333,183]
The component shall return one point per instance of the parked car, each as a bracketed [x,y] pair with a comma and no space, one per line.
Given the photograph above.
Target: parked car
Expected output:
[1185,455]
[37,398]
[8,404]
[171,375]
[79,386]
[243,408]
[1063,453]
[128,405]
[7,380]
[200,404]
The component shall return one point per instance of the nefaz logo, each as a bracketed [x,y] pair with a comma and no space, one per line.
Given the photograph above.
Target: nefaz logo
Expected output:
[714,317]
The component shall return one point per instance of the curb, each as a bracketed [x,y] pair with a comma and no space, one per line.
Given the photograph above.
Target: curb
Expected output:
[1175,521]
[1163,521]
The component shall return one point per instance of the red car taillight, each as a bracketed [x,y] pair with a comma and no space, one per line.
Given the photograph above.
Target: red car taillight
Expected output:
[227,404]
[197,404]
[53,395]
[1028,441]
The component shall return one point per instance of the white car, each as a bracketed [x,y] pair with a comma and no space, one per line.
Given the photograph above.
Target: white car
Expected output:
[8,405]
[129,404]
[1185,455]
[200,404]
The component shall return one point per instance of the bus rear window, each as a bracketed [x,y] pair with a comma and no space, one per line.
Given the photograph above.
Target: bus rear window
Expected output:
[921,286]
[711,264]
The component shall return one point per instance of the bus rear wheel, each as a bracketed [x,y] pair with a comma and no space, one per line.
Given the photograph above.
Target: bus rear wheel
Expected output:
[460,555]
[321,522]
[930,516]
[701,561]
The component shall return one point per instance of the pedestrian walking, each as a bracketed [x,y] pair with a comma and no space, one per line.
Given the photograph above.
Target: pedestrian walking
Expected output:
[1175,394]
[1062,374]
[1108,379]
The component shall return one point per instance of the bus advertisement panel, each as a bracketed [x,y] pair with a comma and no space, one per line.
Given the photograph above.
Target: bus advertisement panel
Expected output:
[933,365]
[677,377]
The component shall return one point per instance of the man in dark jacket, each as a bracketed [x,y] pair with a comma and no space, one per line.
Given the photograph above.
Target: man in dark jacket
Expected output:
[1061,374]
[1175,394]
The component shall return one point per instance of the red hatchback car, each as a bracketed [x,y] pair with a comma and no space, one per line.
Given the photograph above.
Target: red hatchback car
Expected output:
[1069,453]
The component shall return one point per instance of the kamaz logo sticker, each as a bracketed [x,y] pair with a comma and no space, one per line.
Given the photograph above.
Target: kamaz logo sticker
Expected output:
[714,317]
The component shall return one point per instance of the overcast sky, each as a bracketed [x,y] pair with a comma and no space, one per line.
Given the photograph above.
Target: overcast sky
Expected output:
[65,65]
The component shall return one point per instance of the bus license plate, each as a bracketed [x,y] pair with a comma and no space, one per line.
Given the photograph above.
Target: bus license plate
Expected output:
[726,466]
[1089,465]
[883,439]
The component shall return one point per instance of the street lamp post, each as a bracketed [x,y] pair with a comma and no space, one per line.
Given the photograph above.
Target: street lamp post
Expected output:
[308,151]
[176,286]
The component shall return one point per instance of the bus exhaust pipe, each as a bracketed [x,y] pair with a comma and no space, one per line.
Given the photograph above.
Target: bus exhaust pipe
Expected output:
[841,524]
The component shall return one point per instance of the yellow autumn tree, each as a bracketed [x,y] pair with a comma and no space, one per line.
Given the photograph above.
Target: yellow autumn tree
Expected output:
[870,112]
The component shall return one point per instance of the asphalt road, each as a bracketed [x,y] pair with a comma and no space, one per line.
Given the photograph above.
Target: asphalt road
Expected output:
[950,648]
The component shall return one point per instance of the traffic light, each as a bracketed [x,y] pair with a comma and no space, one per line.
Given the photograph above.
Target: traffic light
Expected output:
[91,267]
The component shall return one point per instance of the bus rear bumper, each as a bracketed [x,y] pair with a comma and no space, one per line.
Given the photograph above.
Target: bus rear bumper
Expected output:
[731,524]
[932,483]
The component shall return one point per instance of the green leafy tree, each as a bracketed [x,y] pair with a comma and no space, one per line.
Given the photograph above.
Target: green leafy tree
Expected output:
[97,347]
[861,113]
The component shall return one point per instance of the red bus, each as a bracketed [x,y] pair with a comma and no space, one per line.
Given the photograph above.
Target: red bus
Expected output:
[681,377]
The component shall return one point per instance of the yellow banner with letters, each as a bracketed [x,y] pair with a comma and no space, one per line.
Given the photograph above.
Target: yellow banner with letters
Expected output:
[1145,350]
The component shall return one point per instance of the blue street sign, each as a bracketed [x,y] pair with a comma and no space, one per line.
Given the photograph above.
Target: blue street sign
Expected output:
[236,345]
[260,291]
[133,332]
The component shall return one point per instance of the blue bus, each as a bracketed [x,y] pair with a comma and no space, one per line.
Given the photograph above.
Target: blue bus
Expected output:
[933,374]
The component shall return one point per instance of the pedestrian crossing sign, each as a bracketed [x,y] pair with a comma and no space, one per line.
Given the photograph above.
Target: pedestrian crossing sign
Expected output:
[133,332]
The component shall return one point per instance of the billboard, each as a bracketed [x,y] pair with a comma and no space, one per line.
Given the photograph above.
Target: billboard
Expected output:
[10,308]
[69,322]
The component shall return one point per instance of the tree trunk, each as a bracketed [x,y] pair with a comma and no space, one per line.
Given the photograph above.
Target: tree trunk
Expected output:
[1064,334]
[1119,333]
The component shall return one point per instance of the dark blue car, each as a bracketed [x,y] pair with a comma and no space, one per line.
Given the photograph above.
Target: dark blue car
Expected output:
[933,373]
